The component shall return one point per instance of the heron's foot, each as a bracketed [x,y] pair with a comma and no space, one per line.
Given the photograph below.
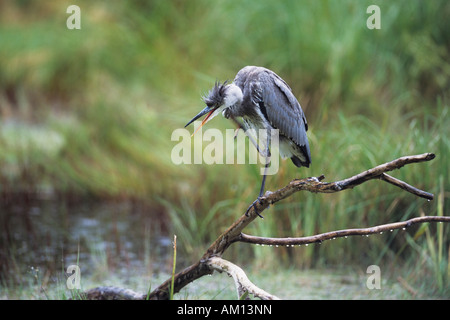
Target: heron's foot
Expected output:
[254,207]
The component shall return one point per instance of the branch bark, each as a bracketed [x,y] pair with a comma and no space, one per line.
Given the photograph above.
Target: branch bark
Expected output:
[211,260]
[319,238]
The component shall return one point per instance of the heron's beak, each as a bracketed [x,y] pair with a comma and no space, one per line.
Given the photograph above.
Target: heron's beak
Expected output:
[211,114]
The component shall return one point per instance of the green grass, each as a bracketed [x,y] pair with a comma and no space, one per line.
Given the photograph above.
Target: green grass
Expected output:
[347,283]
[90,113]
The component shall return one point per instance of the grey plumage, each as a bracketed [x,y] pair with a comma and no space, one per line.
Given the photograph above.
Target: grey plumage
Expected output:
[264,101]
[264,89]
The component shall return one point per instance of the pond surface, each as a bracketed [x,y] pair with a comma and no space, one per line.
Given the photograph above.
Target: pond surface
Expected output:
[41,238]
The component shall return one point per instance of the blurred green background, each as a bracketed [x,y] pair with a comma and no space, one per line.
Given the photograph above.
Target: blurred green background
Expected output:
[88,115]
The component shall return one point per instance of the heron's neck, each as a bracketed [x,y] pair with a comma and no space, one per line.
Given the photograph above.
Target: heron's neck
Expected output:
[233,96]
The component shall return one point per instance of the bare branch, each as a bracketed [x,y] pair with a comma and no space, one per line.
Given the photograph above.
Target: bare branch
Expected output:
[243,284]
[319,238]
[211,259]
[234,232]
[405,186]
[379,172]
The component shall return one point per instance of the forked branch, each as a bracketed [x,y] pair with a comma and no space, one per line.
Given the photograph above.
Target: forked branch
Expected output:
[212,261]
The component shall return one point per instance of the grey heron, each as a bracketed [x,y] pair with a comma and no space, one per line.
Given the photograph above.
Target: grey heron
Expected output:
[264,101]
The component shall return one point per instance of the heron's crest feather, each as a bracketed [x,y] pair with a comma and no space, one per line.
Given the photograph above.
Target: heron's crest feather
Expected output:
[216,95]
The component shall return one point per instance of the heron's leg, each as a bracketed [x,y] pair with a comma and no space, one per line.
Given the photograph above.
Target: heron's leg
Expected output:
[261,192]
[266,166]
[263,183]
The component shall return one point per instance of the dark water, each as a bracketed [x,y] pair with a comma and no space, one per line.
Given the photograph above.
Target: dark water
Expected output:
[47,236]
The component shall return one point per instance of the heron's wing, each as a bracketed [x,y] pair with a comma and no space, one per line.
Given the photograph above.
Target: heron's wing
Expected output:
[282,109]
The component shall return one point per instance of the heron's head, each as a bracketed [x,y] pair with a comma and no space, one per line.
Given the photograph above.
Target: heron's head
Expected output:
[221,97]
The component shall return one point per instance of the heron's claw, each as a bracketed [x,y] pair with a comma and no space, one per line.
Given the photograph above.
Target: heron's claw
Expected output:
[254,207]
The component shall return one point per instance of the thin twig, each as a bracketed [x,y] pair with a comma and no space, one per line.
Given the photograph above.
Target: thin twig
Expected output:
[407,187]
